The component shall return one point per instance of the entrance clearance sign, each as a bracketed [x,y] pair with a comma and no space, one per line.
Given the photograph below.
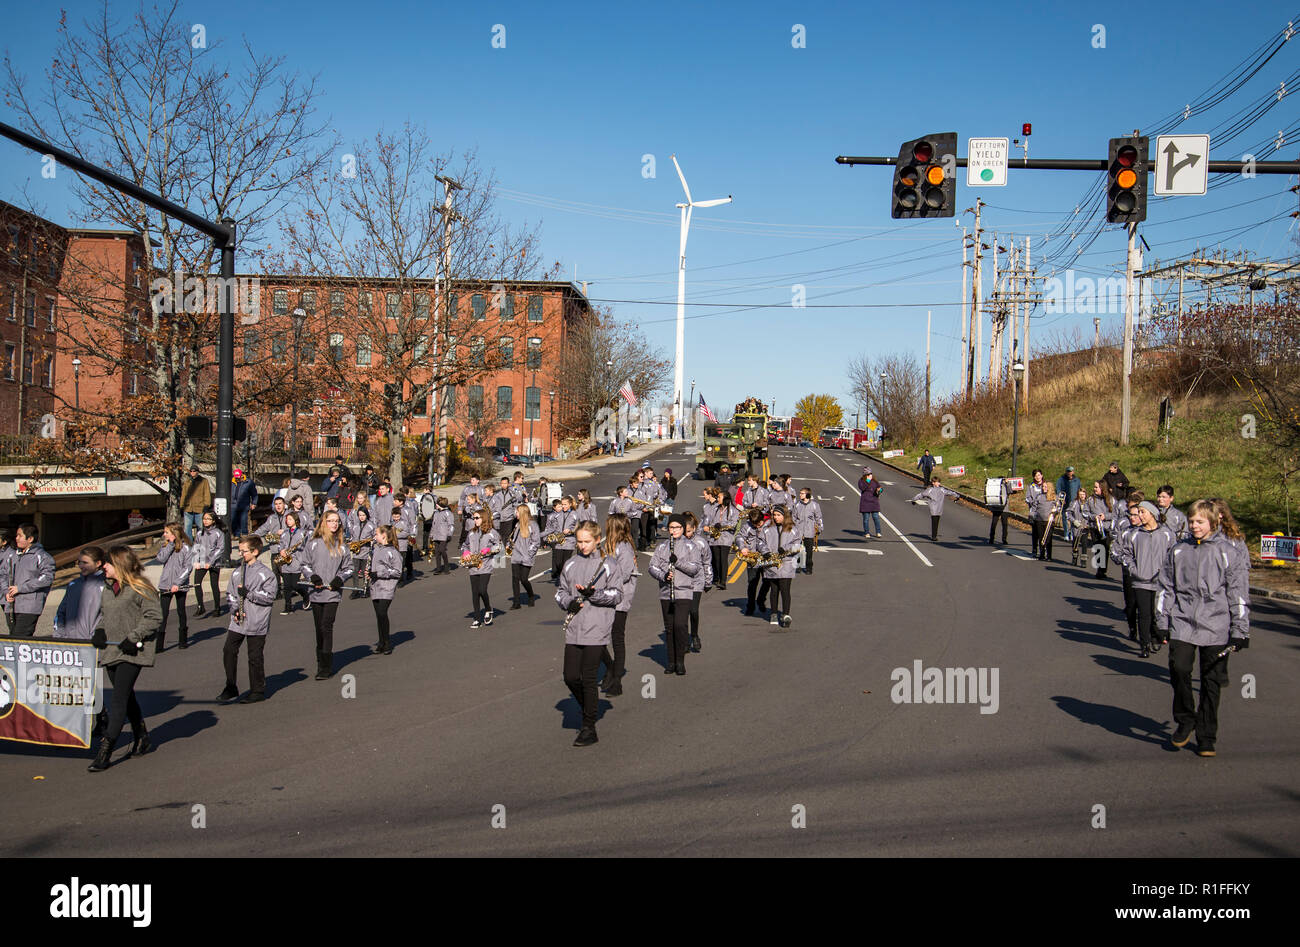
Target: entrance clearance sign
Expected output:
[49,691]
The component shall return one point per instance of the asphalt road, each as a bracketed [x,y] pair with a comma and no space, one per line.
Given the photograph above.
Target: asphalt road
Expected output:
[458,722]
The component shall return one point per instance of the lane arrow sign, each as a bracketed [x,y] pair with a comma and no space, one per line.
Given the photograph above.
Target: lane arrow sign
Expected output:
[1173,167]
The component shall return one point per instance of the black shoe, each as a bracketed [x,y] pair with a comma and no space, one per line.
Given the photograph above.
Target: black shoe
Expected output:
[355,595]
[488,620]
[749,610]
[377,649]
[608,680]
[252,697]
[1183,735]
[185,643]
[695,643]
[322,674]
[103,757]
[228,694]
[515,607]
[1205,749]
[1145,653]
[786,621]
[615,689]
[681,670]
[1155,647]
[159,645]
[198,610]
[532,600]
[141,744]
[586,737]
[671,669]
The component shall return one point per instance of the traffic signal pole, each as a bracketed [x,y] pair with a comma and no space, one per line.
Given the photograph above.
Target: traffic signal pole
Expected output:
[1129,268]
[1075,164]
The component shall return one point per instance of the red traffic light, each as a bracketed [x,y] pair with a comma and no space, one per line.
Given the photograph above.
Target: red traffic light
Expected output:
[1126,156]
[1027,129]
[923,152]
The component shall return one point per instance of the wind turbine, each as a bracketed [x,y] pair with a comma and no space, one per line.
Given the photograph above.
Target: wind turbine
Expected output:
[679,422]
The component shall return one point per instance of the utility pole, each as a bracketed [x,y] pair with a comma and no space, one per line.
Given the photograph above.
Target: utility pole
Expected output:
[1096,340]
[996,313]
[1126,403]
[443,318]
[927,362]
[965,321]
[1178,320]
[1024,387]
[974,346]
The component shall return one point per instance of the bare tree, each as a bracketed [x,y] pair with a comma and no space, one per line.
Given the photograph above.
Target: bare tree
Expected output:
[223,135]
[893,388]
[421,275]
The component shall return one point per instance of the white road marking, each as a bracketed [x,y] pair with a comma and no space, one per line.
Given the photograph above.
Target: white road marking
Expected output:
[919,555]
[869,552]
[1014,554]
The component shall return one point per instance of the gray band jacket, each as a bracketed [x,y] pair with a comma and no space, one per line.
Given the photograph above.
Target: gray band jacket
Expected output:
[128,616]
[1144,553]
[478,541]
[728,516]
[787,542]
[273,524]
[385,570]
[32,572]
[176,567]
[807,518]
[260,588]
[622,505]
[625,559]
[567,523]
[209,547]
[317,560]
[934,497]
[593,622]
[78,614]
[1040,507]
[1203,590]
[523,549]
[684,570]
[294,541]
[699,546]
[444,524]
[1175,519]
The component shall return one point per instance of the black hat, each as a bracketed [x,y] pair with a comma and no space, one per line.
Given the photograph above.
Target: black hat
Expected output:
[678,519]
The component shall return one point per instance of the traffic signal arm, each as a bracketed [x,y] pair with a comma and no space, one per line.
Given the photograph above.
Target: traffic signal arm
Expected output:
[1101,164]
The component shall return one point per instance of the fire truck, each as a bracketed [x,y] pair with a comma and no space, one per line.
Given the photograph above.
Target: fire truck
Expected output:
[778,430]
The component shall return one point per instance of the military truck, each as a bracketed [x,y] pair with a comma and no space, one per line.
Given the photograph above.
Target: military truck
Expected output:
[716,445]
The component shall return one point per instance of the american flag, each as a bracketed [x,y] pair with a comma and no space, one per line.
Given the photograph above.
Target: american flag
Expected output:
[704,410]
[626,392]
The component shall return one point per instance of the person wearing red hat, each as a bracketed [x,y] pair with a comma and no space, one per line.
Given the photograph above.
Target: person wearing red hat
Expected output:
[243,498]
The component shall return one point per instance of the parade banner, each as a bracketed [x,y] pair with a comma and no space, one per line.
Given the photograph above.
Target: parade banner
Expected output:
[49,691]
[959,471]
[892,453]
[1279,547]
[1015,483]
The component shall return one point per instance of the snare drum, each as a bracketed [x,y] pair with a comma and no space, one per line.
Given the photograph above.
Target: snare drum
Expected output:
[532,509]
[666,510]
[427,506]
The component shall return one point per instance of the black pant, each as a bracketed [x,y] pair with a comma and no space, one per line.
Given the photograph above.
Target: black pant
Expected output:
[634,526]
[165,600]
[1214,676]
[256,664]
[934,528]
[808,554]
[1041,542]
[999,513]
[1130,601]
[1144,601]
[619,639]
[123,705]
[648,527]
[322,614]
[580,664]
[290,582]
[381,619]
[440,560]
[214,578]
[695,614]
[721,564]
[23,626]
[781,587]
[755,578]
[408,563]
[519,576]
[478,585]
[677,614]
[558,558]
[1105,559]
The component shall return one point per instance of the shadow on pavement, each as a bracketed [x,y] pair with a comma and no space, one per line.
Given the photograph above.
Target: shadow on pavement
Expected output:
[572,712]
[196,721]
[1151,667]
[1090,634]
[277,682]
[1118,720]
[1097,608]
[353,654]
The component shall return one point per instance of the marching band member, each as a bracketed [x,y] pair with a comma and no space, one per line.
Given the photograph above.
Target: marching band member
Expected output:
[584,509]
[755,495]
[590,590]
[364,532]
[1148,547]
[288,560]
[568,525]
[469,495]
[746,541]
[808,521]
[386,569]
[778,495]
[1101,517]
[251,596]
[79,610]
[702,579]
[492,504]
[505,517]
[209,548]
[273,525]
[518,493]
[933,497]
[177,562]
[673,565]
[622,503]
[382,508]
[326,564]
[1120,552]
[725,520]
[305,517]
[1170,515]
[483,541]
[779,537]
[440,531]
[647,491]
[406,528]
[524,543]
[543,504]
[1038,499]
[618,546]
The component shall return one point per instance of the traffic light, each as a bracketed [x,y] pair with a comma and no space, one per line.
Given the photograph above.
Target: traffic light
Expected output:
[1126,195]
[925,177]
[199,427]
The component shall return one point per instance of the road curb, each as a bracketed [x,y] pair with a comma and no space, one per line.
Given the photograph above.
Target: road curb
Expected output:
[1272,593]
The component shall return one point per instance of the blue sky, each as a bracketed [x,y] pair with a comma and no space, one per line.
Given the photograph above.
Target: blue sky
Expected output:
[581,92]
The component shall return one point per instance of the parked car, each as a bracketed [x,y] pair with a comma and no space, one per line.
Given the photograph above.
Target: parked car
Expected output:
[805,443]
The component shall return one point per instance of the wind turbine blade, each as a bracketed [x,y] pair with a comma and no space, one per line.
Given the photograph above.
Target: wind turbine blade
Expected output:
[713,203]
[683,178]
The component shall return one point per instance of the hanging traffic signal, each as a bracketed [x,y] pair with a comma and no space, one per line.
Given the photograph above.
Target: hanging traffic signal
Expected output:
[925,178]
[1126,195]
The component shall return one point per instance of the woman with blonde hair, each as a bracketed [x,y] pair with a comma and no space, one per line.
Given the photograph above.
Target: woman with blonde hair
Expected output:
[523,543]
[590,590]
[128,623]
[386,566]
[326,562]
[175,556]
[621,547]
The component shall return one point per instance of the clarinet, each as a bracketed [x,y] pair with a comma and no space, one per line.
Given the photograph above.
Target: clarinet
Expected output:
[240,615]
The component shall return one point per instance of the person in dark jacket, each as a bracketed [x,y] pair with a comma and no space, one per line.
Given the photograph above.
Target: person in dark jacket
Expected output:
[669,485]
[31,574]
[869,502]
[1116,483]
[925,464]
[251,596]
[1067,488]
[243,500]
[129,620]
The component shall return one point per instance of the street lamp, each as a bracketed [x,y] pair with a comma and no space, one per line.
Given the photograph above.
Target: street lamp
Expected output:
[550,441]
[532,444]
[299,315]
[76,379]
[880,410]
[1017,373]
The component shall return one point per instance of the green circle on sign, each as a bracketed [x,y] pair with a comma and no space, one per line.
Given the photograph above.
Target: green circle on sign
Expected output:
[986,174]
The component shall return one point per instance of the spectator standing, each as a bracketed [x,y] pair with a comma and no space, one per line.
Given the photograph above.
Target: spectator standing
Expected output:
[1067,488]
[925,463]
[196,497]
[243,499]
[1116,483]
[869,502]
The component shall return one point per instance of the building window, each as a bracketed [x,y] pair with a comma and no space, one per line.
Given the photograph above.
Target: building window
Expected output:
[422,306]
[134,333]
[309,302]
[336,346]
[11,358]
[307,353]
[507,352]
[508,307]
[453,303]
[15,237]
[53,270]
[29,308]
[135,268]
[478,351]
[421,348]
[532,404]
[280,302]
[250,346]
[278,346]
[365,303]
[534,352]
[451,350]
[534,308]
[29,362]
[13,305]
[393,302]
[337,301]
[449,400]
[475,410]
[47,370]
[363,349]
[505,402]
[53,308]
[420,406]
[479,305]
[133,384]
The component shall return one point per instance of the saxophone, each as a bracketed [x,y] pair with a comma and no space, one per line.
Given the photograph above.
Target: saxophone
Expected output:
[474,559]
[749,557]
[356,545]
[555,538]
[285,557]
[273,538]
